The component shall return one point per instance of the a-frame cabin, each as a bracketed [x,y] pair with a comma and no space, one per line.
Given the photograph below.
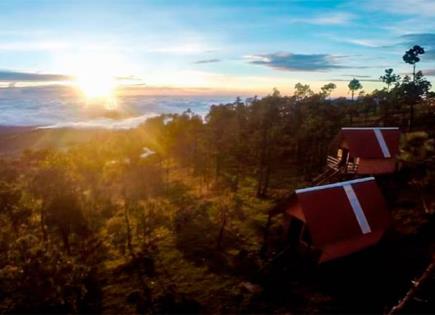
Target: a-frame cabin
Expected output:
[365,151]
[337,219]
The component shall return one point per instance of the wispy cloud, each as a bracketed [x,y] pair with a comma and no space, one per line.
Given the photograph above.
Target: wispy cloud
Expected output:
[372,43]
[355,76]
[187,48]
[420,38]
[361,80]
[429,72]
[333,18]
[33,46]
[404,7]
[207,61]
[106,123]
[427,40]
[296,62]
[12,76]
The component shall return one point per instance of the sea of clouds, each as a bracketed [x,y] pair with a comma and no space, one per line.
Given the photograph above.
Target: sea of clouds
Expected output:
[57,108]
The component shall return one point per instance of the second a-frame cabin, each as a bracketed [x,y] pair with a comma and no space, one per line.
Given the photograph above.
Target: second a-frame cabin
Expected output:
[365,151]
[337,219]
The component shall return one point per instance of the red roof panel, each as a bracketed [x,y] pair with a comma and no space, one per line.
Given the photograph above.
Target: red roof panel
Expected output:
[332,220]
[350,246]
[373,203]
[362,142]
[326,211]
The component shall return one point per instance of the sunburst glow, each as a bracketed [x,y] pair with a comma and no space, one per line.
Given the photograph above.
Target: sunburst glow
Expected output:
[95,78]
[95,85]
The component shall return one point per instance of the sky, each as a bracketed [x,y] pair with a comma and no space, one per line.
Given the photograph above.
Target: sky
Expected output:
[246,47]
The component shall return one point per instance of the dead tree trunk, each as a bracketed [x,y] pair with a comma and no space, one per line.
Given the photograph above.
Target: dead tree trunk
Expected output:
[128,228]
[413,291]
[222,229]
[265,247]
[42,224]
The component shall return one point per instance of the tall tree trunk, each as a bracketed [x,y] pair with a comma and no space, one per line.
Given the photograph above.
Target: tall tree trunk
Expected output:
[65,239]
[260,181]
[386,113]
[411,116]
[194,161]
[413,72]
[222,229]
[262,164]
[264,248]
[144,228]
[266,179]
[218,166]
[167,174]
[128,228]
[43,229]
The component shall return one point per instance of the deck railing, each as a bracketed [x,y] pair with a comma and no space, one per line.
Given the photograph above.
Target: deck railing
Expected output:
[334,163]
[352,167]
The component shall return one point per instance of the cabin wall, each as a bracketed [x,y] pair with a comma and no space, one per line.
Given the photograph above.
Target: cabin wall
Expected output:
[295,210]
[349,246]
[376,166]
[343,144]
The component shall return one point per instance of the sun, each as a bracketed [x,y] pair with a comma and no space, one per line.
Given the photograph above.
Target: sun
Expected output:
[98,76]
[98,87]
[96,80]
[95,84]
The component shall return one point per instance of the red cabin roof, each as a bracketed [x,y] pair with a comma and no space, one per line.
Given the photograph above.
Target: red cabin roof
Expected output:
[343,217]
[371,143]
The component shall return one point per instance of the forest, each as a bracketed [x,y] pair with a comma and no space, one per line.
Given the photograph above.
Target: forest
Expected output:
[170,217]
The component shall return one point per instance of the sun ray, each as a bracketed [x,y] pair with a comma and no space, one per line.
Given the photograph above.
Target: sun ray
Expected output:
[95,77]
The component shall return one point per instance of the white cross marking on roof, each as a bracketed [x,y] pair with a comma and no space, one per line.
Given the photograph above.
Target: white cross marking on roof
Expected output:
[357,209]
[382,144]
[370,128]
[333,185]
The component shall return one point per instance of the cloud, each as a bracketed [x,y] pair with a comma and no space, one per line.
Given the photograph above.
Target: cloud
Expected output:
[426,40]
[33,46]
[296,62]
[429,72]
[361,80]
[371,43]
[106,123]
[60,106]
[355,76]
[404,7]
[337,18]
[420,39]
[207,61]
[13,76]
[181,48]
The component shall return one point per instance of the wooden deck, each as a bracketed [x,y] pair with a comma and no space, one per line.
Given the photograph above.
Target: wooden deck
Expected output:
[334,163]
